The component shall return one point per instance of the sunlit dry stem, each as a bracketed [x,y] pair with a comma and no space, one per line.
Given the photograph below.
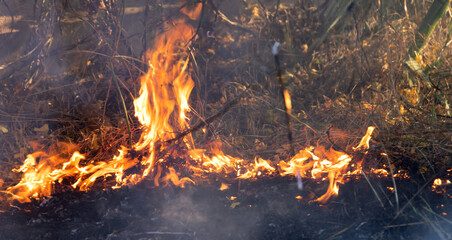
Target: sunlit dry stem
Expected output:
[126,115]
[285,95]
[212,118]
[364,143]
[373,189]
[393,179]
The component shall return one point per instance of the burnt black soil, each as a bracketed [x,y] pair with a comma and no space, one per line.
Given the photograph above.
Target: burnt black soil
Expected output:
[264,209]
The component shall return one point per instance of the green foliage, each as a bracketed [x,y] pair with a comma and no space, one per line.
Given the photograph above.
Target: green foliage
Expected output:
[428,24]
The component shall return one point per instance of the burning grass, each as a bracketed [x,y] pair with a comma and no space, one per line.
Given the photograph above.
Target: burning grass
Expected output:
[353,80]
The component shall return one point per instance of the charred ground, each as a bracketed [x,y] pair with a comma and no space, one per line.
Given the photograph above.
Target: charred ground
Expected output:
[265,209]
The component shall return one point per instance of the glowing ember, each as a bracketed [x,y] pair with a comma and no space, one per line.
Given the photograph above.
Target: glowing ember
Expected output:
[224,186]
[162,108]
[287,101]
[390,189]
[439,185]
[380,172]
[437,182]
[364,143]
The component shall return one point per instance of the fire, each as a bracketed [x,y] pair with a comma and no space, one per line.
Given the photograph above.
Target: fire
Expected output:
[439,185]
[224,186]
[328,164]
[174,178]
[162,110]
[364,143]
[287,101]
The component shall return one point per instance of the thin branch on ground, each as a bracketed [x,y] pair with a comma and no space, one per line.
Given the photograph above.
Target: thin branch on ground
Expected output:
[126,115]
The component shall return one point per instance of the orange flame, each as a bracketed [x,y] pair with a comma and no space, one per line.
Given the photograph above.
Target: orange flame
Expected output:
[287,101]
[224,186]
[164,94]
[331,163]
[161,108]
[364,143]
[439,185]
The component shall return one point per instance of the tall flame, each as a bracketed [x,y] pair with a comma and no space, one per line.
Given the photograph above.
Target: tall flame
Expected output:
[161,108]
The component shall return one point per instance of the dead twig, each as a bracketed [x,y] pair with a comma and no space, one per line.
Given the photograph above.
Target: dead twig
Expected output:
[415,195]
[210,119]
[203,2]
[165,233]
[285,95]
[277,9]
[25,55]
[227,20]
[333,143]
[12,17]
[341,231]
[264,9]
[373,189]
[393,179]
[404,225]
[123,103]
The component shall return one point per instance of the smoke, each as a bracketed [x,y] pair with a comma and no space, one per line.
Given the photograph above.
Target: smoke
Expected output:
[208,214]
